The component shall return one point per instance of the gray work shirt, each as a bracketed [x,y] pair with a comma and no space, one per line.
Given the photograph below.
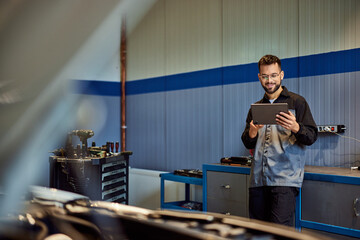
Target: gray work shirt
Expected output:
[279,156]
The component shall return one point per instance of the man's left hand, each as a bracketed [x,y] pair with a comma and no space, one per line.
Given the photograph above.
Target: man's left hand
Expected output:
[288,121]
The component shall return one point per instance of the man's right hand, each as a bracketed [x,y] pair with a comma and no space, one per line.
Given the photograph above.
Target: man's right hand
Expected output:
[254,129]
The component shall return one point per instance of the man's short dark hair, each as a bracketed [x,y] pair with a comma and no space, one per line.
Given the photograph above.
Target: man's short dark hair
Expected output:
[268,60]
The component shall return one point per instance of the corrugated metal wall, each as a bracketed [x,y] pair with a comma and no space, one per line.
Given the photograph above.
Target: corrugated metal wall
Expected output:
[171,128]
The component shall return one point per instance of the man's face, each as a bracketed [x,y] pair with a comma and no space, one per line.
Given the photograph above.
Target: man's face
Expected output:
[270,77]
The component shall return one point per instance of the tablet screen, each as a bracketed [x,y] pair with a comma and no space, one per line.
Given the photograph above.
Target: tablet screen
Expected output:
[265,113]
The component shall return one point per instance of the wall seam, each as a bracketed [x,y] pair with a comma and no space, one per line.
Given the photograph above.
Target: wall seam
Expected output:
[222,81]
[165,93]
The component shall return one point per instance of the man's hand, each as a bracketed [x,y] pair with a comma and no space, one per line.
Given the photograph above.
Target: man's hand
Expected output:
[288,121]
[254,129]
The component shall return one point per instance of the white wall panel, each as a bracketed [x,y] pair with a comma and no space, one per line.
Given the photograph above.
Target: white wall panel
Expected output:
[354,19]
[193,35]
[98,58]
[328,25]
[252,29]
[146,45]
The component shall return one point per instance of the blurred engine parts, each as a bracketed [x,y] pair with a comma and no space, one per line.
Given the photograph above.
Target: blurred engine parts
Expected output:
[192,205]
[96,172]
[82,150]
[189,173]
[237,161]
[83,136]
[50,213]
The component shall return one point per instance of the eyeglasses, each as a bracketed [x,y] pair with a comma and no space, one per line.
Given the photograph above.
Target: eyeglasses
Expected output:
[272,76]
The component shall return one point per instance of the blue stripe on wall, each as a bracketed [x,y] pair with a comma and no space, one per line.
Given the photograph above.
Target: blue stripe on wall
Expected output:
[330,63]
[146,86]
[204,78]
[312,65]
[93,87]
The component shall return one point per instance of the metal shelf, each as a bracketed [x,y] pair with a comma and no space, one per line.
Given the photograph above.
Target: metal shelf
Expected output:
[177,178]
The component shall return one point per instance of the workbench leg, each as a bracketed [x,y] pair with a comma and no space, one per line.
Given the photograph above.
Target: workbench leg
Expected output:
[162,191]
[187,192]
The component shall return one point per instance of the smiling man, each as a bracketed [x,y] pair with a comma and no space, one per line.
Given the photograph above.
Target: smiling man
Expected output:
[277,170]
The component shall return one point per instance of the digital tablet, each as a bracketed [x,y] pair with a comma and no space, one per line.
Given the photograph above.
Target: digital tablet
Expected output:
[265,113]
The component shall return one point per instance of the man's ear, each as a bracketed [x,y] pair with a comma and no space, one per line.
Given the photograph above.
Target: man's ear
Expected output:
[282,75]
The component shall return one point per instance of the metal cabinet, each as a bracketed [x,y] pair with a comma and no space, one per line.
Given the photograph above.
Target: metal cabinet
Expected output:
[225,189]
[227,193]
[330,201]
[105,179]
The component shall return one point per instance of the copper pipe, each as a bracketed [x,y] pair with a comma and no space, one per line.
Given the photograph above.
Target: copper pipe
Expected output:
[123,80]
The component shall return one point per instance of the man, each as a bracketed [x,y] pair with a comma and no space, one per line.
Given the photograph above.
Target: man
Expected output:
[277,170]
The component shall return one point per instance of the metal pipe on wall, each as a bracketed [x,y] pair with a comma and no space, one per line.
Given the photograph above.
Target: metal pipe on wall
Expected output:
[123,80]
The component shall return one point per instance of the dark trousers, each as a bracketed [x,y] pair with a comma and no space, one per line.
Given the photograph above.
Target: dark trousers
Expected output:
[273,204]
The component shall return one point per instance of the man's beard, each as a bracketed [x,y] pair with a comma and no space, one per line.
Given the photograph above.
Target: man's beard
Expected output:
[272,91]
